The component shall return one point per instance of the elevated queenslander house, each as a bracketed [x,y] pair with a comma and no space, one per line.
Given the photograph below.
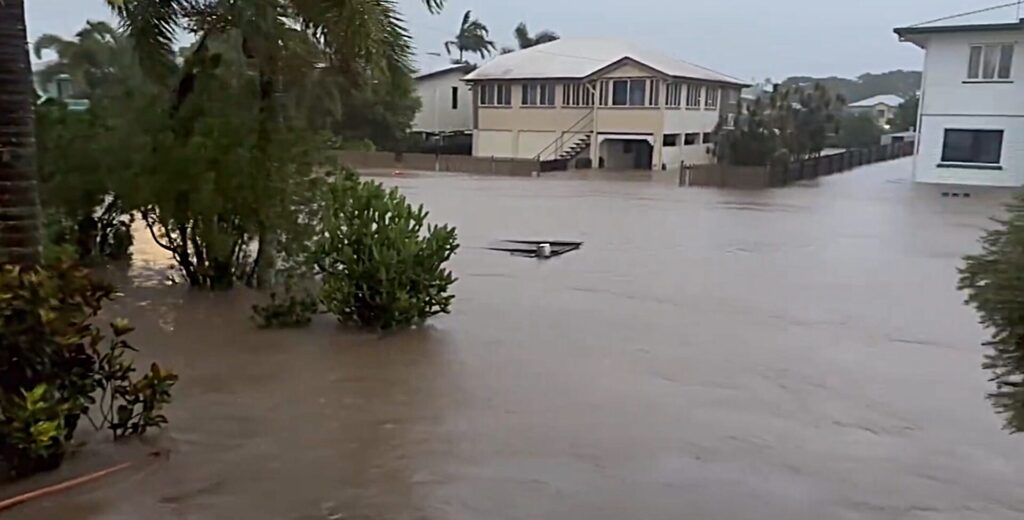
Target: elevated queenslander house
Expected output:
[972,99]
[602,100]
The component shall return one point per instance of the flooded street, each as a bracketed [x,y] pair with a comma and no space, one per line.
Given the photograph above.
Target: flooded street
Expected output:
[790,354]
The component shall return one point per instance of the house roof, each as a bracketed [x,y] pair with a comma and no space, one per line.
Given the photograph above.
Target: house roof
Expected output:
[461,68]
[582,58]
[893,101]
[1004,17]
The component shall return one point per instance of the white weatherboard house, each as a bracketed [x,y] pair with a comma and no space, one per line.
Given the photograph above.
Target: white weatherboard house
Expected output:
[446,103]
[972,100]
[881,108]
[620,106]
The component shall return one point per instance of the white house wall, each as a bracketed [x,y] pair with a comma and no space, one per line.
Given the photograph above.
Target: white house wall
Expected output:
[950,102]
[930,151]
[436,113]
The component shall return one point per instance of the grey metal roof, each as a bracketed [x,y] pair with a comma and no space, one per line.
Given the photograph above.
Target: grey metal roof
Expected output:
[459,67]
[572,58]
[1004,17]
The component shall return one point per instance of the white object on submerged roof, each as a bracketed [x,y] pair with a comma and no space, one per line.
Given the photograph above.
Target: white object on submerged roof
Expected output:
[544,250]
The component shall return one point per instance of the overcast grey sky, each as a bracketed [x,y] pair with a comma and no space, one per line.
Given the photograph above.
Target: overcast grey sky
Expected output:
[745,38]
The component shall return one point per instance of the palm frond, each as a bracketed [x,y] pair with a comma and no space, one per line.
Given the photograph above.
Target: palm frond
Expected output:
[361,36]
[49,42]
[434,6]
[152,26]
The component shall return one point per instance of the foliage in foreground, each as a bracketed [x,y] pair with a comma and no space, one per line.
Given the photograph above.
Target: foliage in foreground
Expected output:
[994,282]
[380,263]
[58,366]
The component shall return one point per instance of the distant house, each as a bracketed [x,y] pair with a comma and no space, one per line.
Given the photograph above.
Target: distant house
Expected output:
[61,88]
[971,127]
[881,108]
[602,103]
[446,102]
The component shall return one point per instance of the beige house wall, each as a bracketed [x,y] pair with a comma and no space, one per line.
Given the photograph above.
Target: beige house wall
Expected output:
[523,132]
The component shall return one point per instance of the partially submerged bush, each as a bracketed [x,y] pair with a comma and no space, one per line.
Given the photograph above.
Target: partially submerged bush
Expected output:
[290,311]
[381,265]
[994,282]
[54,363]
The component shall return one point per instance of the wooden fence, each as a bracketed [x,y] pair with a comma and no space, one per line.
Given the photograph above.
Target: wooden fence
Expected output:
[754,177]
[431,162]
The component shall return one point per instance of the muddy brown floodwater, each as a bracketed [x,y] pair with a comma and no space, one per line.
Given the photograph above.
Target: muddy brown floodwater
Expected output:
[786,354]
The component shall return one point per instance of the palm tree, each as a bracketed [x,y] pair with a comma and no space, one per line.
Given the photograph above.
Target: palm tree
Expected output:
[90,59]
[526,40]
[472,37]
[20,226]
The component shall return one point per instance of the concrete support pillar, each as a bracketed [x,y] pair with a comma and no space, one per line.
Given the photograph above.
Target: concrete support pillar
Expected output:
[656,156]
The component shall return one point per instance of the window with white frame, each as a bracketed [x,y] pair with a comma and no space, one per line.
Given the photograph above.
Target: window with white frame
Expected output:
[674,94]
[693,96]
[972,146]
[577,95]
[711,98]
[730,121]
[495,95]
[654,98]
[538,95]
[629,92]
[990,61]
[691,138]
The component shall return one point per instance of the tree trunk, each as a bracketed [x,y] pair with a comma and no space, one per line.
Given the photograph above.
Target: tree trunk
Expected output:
[20,216]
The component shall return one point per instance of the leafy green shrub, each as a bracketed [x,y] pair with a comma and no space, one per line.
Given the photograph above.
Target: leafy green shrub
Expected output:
[378,267]
[288,312]
[33,430]
[48,341]
[994,282]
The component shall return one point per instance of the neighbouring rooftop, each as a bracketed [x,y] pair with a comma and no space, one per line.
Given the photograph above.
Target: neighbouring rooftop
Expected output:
[570,58]
[885,99]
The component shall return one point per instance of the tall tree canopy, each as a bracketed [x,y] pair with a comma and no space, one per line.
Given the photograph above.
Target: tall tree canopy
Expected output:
[906,115]
[790,123]
[473,37]
[527,40]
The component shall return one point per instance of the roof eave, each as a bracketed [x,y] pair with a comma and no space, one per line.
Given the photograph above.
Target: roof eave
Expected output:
[737,84]
[463,68]
[904,32]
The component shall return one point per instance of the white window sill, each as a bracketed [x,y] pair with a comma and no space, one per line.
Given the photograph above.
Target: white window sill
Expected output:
[986,81]
[970,166]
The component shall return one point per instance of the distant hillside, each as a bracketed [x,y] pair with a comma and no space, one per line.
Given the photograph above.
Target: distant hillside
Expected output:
[903,83]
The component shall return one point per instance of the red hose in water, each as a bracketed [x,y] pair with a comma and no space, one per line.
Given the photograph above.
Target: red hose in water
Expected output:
[39,493]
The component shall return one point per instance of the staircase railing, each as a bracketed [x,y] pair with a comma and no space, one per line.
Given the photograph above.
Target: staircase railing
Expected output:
[555,147]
